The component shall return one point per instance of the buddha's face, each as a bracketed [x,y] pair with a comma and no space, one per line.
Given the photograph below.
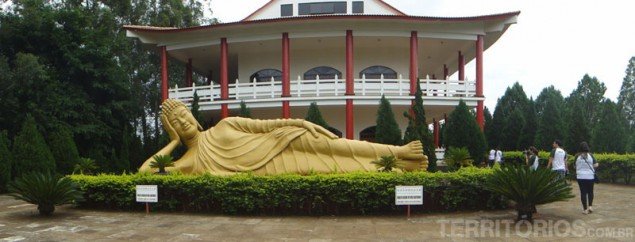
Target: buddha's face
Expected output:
[184,123]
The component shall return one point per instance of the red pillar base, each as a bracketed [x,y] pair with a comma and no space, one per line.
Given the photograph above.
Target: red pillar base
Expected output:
[350,134]
[480,118]
[224,111]
[286,109]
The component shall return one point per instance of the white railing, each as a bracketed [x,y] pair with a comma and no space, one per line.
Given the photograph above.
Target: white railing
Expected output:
[306,89]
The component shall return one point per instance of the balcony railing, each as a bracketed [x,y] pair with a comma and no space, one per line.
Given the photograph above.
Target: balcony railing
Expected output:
[307,89]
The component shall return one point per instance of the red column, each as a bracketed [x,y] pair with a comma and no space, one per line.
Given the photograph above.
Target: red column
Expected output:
[414,61]
[224,81]
[461,66]
[479,81]
[350,85]
[188,73]
[445,72]
[435,124]
[286,76]
[164,73]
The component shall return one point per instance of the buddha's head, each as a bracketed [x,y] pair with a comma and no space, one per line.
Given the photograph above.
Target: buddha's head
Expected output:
[181,119]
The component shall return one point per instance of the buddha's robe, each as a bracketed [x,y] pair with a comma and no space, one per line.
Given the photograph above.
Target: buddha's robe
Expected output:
[280,146]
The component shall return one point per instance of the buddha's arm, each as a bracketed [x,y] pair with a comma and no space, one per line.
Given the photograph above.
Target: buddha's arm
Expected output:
[265,126]
[167,150]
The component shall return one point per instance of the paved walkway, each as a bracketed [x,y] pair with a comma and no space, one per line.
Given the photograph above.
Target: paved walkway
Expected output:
[613,220]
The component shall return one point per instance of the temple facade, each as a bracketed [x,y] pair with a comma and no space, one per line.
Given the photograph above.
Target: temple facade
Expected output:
[343,55]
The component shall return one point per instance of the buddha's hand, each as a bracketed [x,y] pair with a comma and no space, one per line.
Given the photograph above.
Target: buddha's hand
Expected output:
[174,136]
[316,130]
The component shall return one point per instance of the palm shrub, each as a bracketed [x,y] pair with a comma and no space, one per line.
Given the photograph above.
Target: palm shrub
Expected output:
[85,166]
[161,162]
[44,190]
[456,158]
[387,163]
[528,188]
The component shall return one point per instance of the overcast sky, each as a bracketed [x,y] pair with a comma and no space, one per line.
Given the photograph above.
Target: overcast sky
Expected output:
[553,43]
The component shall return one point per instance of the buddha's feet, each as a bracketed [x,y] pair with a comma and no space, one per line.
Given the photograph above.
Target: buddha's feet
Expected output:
[413,157]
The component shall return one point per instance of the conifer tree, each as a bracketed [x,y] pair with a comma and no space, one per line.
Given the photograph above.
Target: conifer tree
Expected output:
[610,134]
[418,129]
[64,150]
[626,99]
[493,131]
[550,125]
[30,152]
[578,129]
[244,112]
[387,131]
[528,134]
[5,161]
[488,124]
[314,115]
[512,131]
[195,109]
[462,131]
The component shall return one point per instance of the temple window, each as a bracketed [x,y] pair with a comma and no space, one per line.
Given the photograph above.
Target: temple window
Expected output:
[324,72]
[265,75]
[375,72]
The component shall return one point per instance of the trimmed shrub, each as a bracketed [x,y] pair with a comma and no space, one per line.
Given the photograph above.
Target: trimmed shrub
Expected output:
[44,190]
[353,193]
[387,131]
[463,131]
[30,152]
[5,161]
[64,150]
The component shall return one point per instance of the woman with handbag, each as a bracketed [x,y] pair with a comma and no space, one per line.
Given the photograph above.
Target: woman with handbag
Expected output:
[585,166]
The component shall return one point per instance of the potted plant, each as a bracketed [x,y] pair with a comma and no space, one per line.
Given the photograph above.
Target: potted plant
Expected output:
[44,190]
[528,188]
[161,162]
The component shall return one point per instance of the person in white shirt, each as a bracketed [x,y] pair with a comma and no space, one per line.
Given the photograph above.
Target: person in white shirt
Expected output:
[490,158]
[498,158]
[585,166]
[531,159]
[557,160]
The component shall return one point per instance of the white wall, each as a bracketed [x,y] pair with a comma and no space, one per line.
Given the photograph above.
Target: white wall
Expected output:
[273,10]
[303,60]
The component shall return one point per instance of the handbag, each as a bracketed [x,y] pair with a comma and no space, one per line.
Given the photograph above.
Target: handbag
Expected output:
[595,176]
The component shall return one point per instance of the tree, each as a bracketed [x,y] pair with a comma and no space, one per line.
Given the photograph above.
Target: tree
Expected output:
[195,109]
[64,150]
[549,105]
[589,94]
[487,130]
[30,151]
[5,161]
[418,129]
[528,134]
[610,134]
[578,124]
[314,115]
[513,99]
[510,136]
[463,131]
[626,102]
[387,131]
[245,112]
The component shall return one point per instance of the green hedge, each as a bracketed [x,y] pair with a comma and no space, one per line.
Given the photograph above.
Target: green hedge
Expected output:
[612,167]
[355,193]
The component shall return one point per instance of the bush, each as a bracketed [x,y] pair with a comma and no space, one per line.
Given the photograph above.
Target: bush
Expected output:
[462,131]
[528,187]
[30,152]
[353,193]
[456,158]
[44,190]
[612,167]
[64,150]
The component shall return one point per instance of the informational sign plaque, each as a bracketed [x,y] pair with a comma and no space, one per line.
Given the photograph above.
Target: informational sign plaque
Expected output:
[409,195]
[147,193]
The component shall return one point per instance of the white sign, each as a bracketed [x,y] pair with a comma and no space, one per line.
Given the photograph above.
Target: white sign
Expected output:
[147,193]
[409,195]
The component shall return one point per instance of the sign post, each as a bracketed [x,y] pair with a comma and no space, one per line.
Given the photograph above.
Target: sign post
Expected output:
[409,195]
[147,194]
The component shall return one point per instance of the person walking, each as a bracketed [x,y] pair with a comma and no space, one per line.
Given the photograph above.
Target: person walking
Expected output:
[490,158]
[532,158]
[585,165]
[498,156]
[557,160]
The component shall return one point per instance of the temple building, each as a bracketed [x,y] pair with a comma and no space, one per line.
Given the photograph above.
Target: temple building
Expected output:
[343,55]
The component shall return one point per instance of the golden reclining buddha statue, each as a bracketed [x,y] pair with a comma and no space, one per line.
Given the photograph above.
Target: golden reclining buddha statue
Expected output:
[270,147]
